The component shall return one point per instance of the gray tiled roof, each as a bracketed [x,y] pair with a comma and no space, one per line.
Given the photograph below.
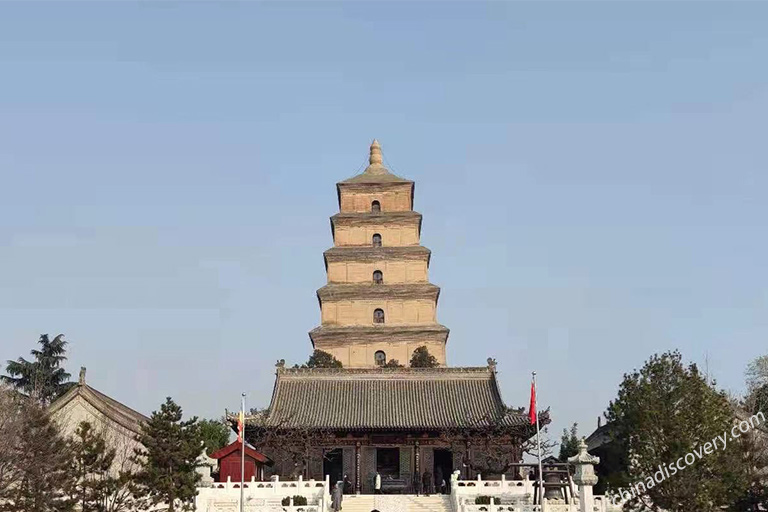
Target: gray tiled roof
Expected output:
[109,407]
[385,399]
[375,174]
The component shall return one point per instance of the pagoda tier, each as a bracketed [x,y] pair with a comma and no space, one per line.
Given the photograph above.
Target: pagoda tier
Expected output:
[378,304]
[399,340]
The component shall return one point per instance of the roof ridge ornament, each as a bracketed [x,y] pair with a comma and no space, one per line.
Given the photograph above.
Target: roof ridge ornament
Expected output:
[81,378]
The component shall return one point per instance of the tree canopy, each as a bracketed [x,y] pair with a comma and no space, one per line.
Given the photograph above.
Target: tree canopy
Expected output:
[215,434]
[43,378]
[38,476]
[421,358]
[321,359]
[92,460]
[569,443]
[168,458]
[663,412]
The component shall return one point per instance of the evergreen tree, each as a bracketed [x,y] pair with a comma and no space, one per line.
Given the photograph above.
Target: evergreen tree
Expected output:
[421,358]
[43,378]
[321,359]
[94,485]
[569,443]
[168,458]
[215,434]
[40,478]
[663,412]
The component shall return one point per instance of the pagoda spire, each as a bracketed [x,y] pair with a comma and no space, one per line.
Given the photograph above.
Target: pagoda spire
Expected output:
[375,158]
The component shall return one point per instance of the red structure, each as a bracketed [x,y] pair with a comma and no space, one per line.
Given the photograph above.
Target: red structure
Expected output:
[229,462]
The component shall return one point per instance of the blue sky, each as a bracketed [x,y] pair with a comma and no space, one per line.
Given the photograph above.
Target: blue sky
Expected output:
[592,178]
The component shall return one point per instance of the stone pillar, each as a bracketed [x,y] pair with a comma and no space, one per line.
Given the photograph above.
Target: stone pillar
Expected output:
[417,458]
[585,476]
[468,457]
[358,488]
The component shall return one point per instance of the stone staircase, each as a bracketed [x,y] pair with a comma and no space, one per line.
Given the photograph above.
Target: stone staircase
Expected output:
[396,503]
[360,503]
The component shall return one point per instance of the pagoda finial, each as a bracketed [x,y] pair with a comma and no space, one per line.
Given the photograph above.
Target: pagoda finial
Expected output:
[375,157]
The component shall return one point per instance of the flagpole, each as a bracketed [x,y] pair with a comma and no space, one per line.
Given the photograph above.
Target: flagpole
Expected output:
[242,450]
[538,442]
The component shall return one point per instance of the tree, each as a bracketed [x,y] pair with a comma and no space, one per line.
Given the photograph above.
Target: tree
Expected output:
[168,458]
[39,478]
[291,447]
[569,443]
[496,445]
[757,386]
[11,431]
[757,373]
[392,363]
[753,445]
[321,359]
[215,434]
[95,485]
[421,358]
[43,378]
[663,412]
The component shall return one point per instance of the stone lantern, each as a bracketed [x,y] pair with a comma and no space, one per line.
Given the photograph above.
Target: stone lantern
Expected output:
[585,476]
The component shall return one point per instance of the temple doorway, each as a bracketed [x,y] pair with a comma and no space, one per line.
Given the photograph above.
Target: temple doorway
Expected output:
[443,467]
[333,465]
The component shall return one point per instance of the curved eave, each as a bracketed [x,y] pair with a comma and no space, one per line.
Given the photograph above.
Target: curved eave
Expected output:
[422,399]
[334,292]
[378,332]
[371,254]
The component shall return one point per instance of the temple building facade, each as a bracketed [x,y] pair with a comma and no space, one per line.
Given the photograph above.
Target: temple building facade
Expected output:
[370,417]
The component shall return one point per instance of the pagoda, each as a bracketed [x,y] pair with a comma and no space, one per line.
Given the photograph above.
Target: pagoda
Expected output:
[373,415]
[378,304]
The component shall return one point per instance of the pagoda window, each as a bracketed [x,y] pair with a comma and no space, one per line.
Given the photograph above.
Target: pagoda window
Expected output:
[378,277]
[375,207]
[380,358]
[378,316]
[376,240]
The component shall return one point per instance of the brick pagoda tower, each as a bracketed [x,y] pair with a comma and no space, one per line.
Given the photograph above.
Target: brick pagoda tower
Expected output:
[378,304]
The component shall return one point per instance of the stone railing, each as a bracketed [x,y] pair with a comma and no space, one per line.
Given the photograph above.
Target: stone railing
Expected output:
[264,496]
[517,495]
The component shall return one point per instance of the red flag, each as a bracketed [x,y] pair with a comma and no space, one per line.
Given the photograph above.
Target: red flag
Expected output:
[532,409]
[240,421]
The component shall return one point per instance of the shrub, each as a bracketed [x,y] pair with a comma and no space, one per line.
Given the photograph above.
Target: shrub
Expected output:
[297,501]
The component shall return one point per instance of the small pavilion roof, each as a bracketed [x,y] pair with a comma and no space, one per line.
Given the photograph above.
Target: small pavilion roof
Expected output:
[236,446]
[387,399]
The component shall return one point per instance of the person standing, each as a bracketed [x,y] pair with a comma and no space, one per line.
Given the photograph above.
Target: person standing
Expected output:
[377,483]
[427,483]
[416,483]
[336,498]
[438,479]
[347,486]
